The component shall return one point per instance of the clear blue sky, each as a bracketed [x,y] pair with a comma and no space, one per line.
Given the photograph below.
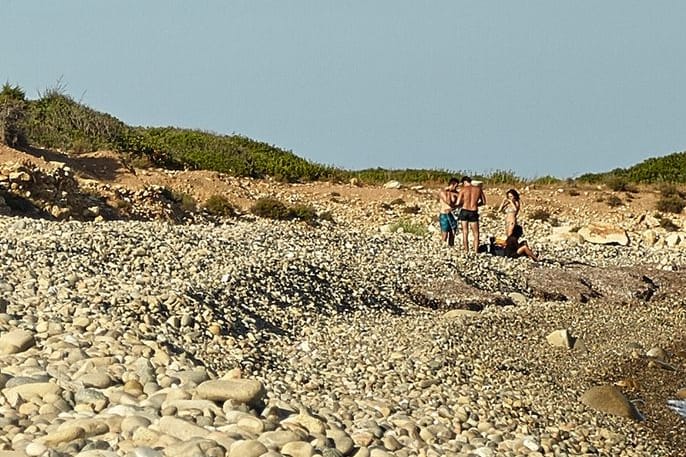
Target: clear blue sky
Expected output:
[537,87]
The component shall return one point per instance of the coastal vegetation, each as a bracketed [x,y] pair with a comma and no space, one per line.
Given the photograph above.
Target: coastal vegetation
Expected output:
[56,121]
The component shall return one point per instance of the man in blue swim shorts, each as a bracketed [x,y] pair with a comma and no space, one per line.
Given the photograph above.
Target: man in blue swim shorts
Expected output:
[448,200]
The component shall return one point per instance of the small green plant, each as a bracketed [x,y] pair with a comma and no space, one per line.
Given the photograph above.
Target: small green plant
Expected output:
[218,205]
[573,192]
[672,204]
[408,226]
[614,201]
[540,214]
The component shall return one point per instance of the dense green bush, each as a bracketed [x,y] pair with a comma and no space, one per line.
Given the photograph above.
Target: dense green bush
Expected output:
[305,213]
[218,205]
[13,110]
[668,169]
[57,121]
[270,208]
[274,209]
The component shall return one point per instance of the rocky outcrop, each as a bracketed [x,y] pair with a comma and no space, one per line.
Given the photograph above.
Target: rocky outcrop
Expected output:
[57,193]
[602,233]
[616,284]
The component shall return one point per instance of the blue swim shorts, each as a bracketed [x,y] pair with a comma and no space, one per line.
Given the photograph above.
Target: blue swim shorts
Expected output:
[448,222]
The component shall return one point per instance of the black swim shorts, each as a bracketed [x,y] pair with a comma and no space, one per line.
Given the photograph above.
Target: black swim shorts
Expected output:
[468,215]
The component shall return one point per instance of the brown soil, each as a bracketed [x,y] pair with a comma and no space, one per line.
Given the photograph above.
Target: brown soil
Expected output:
[566,202]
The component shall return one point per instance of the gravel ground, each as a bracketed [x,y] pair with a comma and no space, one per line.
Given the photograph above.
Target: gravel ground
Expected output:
[327,322]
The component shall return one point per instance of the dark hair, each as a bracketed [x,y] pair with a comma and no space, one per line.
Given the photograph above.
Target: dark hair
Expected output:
[453,181]
[514,193]
[466,179]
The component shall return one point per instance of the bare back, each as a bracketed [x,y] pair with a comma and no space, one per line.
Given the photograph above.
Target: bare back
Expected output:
[471,197]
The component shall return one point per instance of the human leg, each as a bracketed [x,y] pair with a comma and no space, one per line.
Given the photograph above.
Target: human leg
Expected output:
[474,227]
[465,235]
[524,249]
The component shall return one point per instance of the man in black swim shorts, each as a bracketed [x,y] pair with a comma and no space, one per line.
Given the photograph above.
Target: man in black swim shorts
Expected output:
[469,199]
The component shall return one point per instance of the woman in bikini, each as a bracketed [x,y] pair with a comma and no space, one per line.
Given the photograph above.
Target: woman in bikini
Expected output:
[515,248]
[510,206]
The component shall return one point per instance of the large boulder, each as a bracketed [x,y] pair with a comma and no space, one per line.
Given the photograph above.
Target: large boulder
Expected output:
[602,233]
[248,391]
[393,185]
[609,399]
[16,341]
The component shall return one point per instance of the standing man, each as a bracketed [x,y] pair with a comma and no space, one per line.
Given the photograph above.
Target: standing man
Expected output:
[469,199]
[448,200]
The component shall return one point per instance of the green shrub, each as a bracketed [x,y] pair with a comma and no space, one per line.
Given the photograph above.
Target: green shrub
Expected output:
[270,208]
[13,111]
[673,204]
[55,120]
[187,202]
[218,205]
[273,209]
[305,213]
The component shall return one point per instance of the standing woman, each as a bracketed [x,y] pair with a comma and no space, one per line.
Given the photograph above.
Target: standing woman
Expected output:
[510,206]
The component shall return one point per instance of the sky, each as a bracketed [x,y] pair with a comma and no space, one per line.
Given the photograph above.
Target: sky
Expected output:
[534,87]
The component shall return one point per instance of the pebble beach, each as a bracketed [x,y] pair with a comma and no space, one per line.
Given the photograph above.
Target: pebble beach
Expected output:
[262,338]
